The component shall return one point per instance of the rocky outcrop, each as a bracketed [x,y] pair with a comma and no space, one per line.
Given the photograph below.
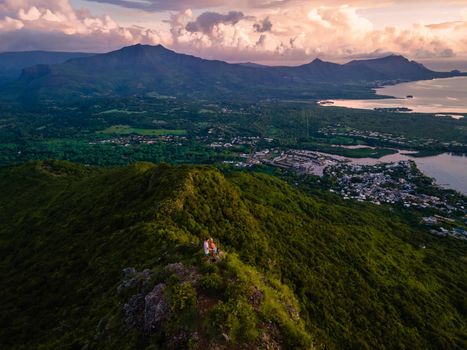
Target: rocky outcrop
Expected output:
[177,308]
[149,311]
[134,311]
[156,309]
[134,279]
[185,273]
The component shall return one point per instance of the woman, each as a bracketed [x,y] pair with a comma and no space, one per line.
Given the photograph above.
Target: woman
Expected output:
[206,247]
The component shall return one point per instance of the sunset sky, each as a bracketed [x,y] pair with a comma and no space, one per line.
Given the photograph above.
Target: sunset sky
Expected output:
[266,31]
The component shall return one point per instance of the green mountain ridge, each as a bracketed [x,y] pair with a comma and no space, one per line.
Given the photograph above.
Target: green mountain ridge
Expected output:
[300,271]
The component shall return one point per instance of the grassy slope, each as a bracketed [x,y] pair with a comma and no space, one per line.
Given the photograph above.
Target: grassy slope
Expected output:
[358,273]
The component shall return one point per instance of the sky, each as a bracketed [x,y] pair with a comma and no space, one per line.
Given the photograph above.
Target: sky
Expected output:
[275,32]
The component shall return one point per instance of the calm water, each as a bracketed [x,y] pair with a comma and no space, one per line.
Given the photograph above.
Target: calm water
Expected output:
[448,170]
[439,96]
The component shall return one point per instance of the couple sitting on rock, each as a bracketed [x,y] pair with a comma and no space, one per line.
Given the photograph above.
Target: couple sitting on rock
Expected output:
[210,248]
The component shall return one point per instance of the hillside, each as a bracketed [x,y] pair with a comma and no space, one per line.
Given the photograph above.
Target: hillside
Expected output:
[145,70]
[12,63]
[298,272]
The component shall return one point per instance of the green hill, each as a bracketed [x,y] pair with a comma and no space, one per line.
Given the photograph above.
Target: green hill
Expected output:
[111,258]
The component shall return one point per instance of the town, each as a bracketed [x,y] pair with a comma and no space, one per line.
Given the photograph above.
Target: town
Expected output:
[381,183]
[134,139]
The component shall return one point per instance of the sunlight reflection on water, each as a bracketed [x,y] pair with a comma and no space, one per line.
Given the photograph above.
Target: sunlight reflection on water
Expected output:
[438,96]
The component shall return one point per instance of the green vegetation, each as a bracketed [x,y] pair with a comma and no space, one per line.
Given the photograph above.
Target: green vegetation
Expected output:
[94,131]
[111,258]
[299,270]
[125,130]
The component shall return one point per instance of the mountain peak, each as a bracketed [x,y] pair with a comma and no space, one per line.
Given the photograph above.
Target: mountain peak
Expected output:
[394,57]
[141,53]
[317,61]
[144,48]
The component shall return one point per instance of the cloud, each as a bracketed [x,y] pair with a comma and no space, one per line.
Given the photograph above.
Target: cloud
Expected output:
[291,31]
[464,14]
[182,5]
[300,33]
[264,26]
[206,21]
[163,5]
[8,24]
[56,25]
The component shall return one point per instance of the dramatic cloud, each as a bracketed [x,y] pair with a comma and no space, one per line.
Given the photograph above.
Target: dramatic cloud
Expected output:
[303,32]
[56,25]
[272,31]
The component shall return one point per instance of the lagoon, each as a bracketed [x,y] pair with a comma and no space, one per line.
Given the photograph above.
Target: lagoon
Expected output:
[438,96]
[448,170]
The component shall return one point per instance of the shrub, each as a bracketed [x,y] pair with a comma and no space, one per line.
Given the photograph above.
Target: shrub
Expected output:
[237,320]
[183,298]
[211,283]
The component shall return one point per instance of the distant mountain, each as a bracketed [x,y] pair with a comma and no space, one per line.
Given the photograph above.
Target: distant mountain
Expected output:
[155,70]
[12,63]
[328,72]
[397,67]
[111,258]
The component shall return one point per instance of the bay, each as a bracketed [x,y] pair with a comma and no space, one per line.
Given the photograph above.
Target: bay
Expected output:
[438,96]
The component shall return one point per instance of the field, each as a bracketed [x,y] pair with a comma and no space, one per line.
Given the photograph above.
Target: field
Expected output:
[126,130]
[123,111]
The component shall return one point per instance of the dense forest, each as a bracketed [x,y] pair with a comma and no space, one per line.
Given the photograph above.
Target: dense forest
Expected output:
[299,270]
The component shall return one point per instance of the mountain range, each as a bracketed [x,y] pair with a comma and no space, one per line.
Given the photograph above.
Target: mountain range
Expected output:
[144,70]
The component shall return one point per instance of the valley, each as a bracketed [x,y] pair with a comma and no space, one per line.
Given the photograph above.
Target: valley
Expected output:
[284,138]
